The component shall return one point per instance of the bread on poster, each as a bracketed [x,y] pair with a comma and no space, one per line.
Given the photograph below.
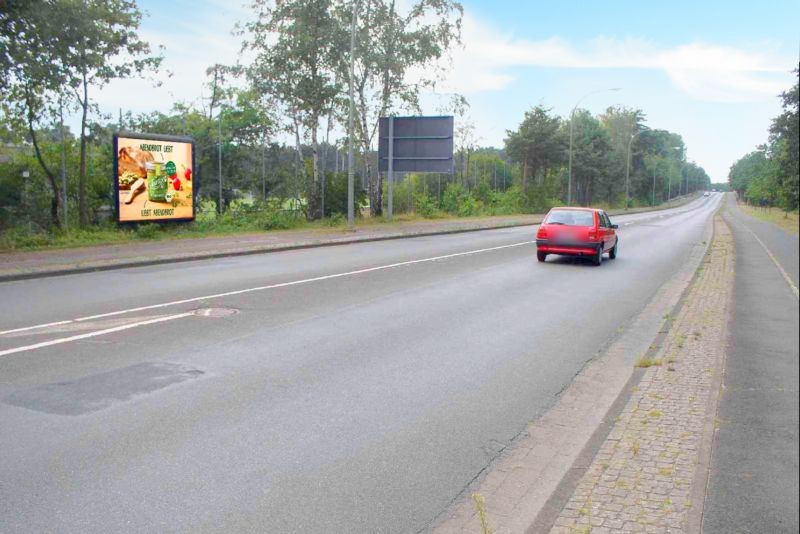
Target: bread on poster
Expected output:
[132,160]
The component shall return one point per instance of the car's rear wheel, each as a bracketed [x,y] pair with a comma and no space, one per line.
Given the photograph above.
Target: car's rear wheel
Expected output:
[541,256]
[612,254]
[597,259]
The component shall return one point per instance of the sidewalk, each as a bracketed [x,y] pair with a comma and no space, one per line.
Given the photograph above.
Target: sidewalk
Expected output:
[32,264]
[754,469]
[651,471]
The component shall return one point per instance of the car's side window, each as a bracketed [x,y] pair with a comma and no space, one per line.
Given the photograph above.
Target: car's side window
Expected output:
[603,219]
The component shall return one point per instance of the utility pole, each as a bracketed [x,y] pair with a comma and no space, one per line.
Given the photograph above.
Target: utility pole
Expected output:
[219,160]
[655,165]
[350,170]
[64,162]
[264,173]
[628,170]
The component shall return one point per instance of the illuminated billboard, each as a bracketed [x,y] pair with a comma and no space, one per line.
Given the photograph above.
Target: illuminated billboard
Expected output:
[153,177]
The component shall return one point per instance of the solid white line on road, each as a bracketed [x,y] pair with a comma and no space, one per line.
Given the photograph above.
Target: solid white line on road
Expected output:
[47,325]
[263,288]
[776,262]
[92,334]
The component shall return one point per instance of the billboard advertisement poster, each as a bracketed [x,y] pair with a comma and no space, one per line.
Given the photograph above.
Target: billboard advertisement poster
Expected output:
[153,178]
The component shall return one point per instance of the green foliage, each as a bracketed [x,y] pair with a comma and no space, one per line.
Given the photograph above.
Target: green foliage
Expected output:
[540,143]
[425,205]
[768,176]
[452,198]
[148,231]
[336,195]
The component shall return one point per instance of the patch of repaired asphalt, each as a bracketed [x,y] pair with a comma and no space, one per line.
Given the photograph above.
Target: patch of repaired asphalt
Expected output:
[102,390]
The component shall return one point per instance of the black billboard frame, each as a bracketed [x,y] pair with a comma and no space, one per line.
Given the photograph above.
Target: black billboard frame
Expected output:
[154,137]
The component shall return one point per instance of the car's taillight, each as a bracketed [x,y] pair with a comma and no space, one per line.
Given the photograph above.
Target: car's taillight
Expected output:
[592,234]
[542,233]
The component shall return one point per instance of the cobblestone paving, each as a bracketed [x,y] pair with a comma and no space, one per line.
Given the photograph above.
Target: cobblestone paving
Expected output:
[644,475]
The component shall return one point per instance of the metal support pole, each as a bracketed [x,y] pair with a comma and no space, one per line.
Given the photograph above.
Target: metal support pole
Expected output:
[654,184]
[264,173]
[350,169]
[569,168]
[219,158]
[63,166]
[390,174]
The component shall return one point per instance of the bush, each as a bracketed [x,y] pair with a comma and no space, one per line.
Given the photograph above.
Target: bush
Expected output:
[148,231]
[23,238]
[469,206]
[337,219]
[451,199]
[425,206]
[277,220]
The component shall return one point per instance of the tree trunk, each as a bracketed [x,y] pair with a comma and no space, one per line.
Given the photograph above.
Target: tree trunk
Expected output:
[82,208]
[54,202]
[525,167]
[374,184]
[314,190]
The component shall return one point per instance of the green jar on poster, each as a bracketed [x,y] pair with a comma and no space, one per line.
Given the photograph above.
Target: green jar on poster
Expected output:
[156,182]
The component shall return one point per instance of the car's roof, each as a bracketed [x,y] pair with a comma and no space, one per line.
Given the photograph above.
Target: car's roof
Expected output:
[575,208]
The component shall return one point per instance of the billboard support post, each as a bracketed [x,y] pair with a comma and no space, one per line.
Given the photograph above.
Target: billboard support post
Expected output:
[391,166]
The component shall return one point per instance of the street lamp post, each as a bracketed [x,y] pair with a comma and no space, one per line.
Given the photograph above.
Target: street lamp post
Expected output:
[571,134]
[655,166]
[219,160]
[628,169]
[350,170]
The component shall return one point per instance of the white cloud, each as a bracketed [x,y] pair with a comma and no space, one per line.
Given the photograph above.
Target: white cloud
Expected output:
[704,71]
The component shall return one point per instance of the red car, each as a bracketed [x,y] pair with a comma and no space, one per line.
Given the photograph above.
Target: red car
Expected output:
[577,232]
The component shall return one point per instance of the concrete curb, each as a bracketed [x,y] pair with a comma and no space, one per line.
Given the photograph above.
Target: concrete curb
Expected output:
[124,264]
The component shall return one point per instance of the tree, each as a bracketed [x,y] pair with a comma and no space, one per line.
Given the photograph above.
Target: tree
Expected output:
[592,156]
[539,144]
[98,42]
[299,47]
[785,148]
[33,75]
[751,176]
[389,45]
[622,124]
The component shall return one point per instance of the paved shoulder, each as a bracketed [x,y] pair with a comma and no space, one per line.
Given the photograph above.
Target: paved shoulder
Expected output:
[754,472]
[783,246]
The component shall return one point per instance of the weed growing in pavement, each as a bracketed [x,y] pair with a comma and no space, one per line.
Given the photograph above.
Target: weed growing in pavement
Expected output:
[644,362]
[665,471]
[480,506]
[655,413]
[635,447]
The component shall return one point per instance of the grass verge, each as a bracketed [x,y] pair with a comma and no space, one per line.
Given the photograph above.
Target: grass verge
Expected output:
[788,221]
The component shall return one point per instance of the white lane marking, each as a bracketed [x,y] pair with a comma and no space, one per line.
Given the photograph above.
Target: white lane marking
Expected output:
[273,286]
[47,325]
[92,334]
[775,261]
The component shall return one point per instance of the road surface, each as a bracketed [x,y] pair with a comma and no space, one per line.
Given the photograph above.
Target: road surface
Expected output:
[357,388]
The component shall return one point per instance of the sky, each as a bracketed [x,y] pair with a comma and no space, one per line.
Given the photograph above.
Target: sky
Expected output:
[710,71]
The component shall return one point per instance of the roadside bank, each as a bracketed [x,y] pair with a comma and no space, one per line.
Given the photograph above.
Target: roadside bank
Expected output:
[20,265]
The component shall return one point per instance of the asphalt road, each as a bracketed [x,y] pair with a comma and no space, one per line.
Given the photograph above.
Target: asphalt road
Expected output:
[754,470]
[357,389]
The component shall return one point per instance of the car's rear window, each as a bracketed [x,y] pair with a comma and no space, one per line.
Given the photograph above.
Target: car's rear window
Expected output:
[571,218]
